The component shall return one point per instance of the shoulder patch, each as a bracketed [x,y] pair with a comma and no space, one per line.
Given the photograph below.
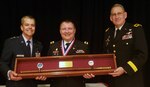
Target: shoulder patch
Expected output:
[137,25]
[52,42]
[85,42]
[107,30]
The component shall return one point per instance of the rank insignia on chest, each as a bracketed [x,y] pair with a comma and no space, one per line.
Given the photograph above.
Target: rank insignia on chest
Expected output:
[80,51]
[127,36]
[107,40]
[56,52]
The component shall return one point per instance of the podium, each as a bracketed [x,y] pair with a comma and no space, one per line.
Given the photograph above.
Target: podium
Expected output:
[64,66]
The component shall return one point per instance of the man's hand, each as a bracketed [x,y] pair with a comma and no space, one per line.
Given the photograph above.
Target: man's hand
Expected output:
[88,76]
[13,76]
[118,72]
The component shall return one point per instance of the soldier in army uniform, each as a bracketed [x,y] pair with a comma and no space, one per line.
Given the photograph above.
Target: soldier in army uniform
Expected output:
[127,41]
[18,47]
[69,45]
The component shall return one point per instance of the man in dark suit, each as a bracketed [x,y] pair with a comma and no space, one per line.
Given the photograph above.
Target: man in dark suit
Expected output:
[19,46]
[127,41]
[68,46]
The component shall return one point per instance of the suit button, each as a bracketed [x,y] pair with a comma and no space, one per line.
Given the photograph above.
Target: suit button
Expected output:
[127,43]
[114,51]
[114,45]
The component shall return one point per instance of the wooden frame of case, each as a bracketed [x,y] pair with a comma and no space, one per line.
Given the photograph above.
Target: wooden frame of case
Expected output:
[61,66]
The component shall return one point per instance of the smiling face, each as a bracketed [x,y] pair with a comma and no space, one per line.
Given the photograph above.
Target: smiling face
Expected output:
[67,31]
[118,15]
[28,27]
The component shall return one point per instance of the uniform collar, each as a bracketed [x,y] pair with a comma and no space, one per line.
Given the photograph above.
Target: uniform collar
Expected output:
[119,27]
[25,39]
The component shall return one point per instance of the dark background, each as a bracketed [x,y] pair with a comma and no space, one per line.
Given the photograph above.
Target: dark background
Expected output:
[91,17]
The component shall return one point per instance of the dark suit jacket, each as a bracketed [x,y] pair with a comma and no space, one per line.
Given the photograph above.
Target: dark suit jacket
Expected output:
[15,47]
[129,45]
[77,48]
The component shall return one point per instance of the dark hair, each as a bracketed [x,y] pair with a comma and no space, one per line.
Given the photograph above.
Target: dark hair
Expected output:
[68,21]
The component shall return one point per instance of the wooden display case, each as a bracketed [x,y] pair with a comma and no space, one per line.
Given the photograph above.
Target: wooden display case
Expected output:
[61,66]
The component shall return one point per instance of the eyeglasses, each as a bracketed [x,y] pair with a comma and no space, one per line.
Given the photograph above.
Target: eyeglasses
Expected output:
[117,14]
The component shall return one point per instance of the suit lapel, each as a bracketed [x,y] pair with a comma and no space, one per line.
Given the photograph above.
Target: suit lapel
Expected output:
[23,46]
[60,48]
[35,48]
[71,51]
[111,34]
